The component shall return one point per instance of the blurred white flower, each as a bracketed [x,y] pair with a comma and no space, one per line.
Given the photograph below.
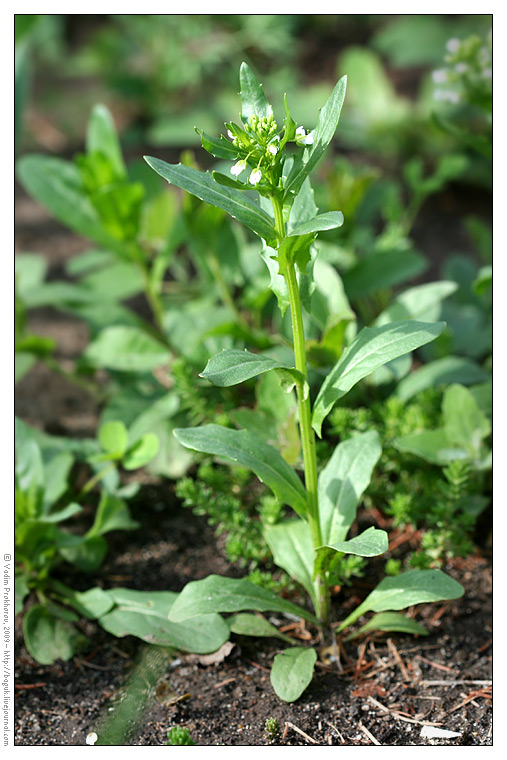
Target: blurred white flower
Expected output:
[487,73]
[272,149]
[439,76]
[460,68]
[238,168]
[447,96]
[229,133]
[91,739]
[453,45]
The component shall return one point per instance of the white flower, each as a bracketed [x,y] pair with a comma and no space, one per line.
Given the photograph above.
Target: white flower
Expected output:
[255,177]
[238,168]
[487,73]
[439,76]
[461,68]
[453,45]
[302,138]
[229,133]
[91,739]
[447,96]
[272,149]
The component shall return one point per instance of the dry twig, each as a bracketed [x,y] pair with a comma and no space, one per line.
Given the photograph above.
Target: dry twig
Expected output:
[298,730]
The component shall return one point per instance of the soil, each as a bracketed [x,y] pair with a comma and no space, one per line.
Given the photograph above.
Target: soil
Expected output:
[389,686]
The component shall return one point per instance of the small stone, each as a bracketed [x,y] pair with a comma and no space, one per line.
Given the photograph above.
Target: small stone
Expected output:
[432,732]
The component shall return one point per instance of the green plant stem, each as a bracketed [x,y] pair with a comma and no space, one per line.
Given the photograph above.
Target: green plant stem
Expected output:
[92,482]
[305,417]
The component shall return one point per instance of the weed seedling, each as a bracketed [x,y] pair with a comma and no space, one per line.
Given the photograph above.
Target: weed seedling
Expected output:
[179,736]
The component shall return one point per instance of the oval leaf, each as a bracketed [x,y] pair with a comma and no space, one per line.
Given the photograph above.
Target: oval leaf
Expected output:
[292,672]
[126,349]
[370,543]
[145,614]
[142,452]
[232,366]
[218,594]
[406,589]
[246,624]
[328,221]
[390,621]
[373,347]
[250,451]
[114,438]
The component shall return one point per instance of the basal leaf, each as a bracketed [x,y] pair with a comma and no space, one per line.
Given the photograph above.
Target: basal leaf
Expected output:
[145,614]
[434,446]
[292,672]
[218,594]
[405,590]
[203,186]
[49,637]
[245,448]
[373,347]
[247,624]
[390,621]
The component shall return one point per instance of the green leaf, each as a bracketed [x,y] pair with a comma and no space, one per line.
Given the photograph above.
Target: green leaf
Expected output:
[290,543]
[114,438]
[91,604]
[253,99]
[246,449]
[292,672]
[63,514]
[390,621]
[145,614]
[382,269]
[434,446]
[112,514]
[49,637]
[102,137]
[224,179]
[464,423]
[142,452]
[322,136]
[450,369]
[328,221]
[126,349]
[422,303]
[218,147]
[369,543]
[373,347]
[232,366]
[21,591]
[87,553]
[343,481]
[247,624]
[57,185]
[203,186]
[218,594]
[405,590]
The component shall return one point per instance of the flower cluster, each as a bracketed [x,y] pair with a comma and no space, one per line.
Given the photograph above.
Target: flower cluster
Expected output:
[260,143]
[467,78]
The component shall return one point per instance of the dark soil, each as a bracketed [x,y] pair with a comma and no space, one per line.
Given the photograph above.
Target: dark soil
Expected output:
[389,688]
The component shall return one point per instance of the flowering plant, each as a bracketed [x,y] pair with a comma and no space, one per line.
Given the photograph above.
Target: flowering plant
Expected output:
[284,215]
